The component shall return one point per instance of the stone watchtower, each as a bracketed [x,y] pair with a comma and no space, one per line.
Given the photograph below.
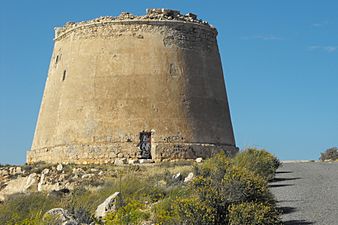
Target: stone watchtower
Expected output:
[134,87]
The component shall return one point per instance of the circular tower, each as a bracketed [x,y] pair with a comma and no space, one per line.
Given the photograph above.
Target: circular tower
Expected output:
[134,87]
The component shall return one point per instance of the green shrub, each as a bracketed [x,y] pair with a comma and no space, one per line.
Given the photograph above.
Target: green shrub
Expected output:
[208,185]
[258,160]
[329,154]
[252,213]
[183,210]
[220,183]
[237,185]
[194,211]
[132,213]
[214,168]
[164,212]
[241,184]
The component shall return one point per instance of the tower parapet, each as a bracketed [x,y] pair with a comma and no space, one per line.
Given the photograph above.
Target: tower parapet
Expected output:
[134,87]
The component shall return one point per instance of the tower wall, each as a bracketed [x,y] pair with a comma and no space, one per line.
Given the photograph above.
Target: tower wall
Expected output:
[109,80]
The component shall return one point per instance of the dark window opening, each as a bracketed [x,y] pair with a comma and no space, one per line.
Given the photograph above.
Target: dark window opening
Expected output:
[64,75]
[57,59]
[145,145]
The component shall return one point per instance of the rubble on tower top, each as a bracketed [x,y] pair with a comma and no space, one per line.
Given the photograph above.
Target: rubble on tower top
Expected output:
[151,14]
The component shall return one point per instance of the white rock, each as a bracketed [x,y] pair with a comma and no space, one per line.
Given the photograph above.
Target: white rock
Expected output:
[11,170]
[120,162]
[19,185]
[133,161]
[177,176]
[60,216]
[70,222]
[189,177]
[4,172]
[199,160]
[87,175]
[143,161]
[109,205]
[31,179]
[59,167]
[62,177]
[41,182]
[18,169]
[78,171]
[100,173]
[45,171]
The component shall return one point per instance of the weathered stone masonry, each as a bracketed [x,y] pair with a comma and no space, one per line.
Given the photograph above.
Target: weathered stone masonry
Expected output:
[113,79]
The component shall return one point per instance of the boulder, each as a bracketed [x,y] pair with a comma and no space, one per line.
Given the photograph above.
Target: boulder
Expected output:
[199,160]
[111,204]
[177,176]
[41,182]
[144,161]
[18,170]
[31,180]
[45,171]
[189,177]
[18,185]
[78,171]
[86,176]
[120,162]
[133,161]
[59,167]
[59,216]
[4,172]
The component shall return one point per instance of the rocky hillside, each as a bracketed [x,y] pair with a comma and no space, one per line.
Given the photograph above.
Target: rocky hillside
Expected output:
[216,191]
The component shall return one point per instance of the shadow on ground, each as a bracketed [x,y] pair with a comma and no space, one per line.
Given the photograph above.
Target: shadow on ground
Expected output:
[279,179]
[279,185]
[287,210]
[278,172]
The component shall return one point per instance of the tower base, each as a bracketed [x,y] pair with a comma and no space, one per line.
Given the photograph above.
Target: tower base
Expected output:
[109,152]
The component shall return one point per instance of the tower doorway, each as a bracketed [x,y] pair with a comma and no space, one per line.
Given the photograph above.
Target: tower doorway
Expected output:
[145,145]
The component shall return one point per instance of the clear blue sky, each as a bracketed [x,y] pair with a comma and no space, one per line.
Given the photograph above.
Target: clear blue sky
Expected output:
[280,61]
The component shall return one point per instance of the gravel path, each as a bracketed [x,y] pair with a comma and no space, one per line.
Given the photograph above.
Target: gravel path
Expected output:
[307,193]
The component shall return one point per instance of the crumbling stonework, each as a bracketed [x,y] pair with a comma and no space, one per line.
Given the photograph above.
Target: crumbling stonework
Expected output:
[118,86]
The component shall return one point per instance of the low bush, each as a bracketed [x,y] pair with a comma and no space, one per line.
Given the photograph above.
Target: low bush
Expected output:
[194,211]
[164,212]
[330,154]
[258,160]
[242,185]
[220,183]
[253,213]
[134,212]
